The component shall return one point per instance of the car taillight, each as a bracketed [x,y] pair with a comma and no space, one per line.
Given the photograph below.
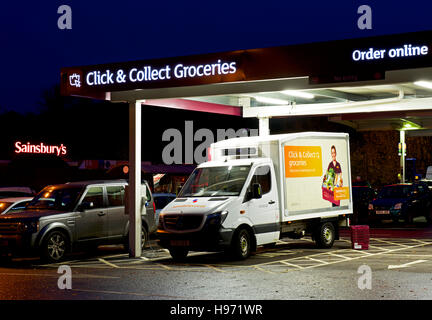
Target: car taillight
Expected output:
[154,208]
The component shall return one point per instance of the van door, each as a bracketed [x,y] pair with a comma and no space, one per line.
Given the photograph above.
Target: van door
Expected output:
[92,223]
[117,219]
[264,212]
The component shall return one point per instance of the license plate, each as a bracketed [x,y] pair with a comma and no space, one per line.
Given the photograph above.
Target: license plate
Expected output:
[179,243]
[382,212]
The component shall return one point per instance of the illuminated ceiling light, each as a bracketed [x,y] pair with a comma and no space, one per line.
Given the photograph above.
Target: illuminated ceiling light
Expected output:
[408,125]
[271,100]
[424,84]
[299,94]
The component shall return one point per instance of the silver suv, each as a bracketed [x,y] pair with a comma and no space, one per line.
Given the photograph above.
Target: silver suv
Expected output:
[66,217]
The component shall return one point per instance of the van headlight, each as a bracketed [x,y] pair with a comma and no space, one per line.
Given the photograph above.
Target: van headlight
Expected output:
[217,217]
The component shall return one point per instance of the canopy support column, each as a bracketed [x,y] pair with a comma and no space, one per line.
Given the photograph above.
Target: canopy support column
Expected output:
[402,159]
[134,197]
[264,127]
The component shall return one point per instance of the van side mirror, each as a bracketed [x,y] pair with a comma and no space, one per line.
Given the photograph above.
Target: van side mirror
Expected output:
[256,191]
[86,205]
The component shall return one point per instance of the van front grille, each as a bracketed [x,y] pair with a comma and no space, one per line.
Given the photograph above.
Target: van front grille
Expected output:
[182,222]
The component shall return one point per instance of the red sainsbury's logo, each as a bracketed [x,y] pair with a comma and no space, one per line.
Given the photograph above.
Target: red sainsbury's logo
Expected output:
[40,148]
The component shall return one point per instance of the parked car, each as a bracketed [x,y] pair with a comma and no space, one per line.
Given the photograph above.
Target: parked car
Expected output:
[362,196]
[9,192]
[9,205]
[404,201]
[161,200]
[65,217]
[428,182]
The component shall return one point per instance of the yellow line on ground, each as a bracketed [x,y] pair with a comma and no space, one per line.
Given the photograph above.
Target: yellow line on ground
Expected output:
[390,242]
[130,293]
[317,260]
[214,268]
[108,263]
[261,269]
[291,264]
[74,276]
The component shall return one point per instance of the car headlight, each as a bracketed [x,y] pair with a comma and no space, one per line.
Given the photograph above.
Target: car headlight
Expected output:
[370,207]
[28,226]
[398,206]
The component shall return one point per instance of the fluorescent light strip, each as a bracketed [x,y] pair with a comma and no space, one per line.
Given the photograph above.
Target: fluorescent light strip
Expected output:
[424,84]
[270,100]
[300,94]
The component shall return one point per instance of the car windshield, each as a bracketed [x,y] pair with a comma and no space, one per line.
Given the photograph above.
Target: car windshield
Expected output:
[215,181]
[56,199]
[4,205]
[395,192]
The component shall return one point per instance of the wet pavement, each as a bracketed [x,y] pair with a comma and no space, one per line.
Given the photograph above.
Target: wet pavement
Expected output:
[400,261]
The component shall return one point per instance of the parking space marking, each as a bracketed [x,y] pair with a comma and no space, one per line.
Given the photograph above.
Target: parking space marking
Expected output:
[263,270]
[406,264]
[131,293]
[391,242]
[214,268]
[338,255]
[108,263]
[317,260]
[163,266]
[312,260]
[76,275]
[422,241]
[291,265]
[344,255]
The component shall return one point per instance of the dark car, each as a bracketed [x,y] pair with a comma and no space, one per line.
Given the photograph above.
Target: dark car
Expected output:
[405,201]
[428,182]
[362,196]
[65,217]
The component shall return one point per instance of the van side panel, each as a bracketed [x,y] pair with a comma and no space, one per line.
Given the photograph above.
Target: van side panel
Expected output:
[316,183]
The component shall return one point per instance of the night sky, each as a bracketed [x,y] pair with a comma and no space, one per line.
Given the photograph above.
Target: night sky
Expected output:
[33,48]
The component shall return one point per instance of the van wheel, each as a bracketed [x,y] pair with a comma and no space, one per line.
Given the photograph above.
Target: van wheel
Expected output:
[54,247]
[178,253]
[325,235]
[241,245]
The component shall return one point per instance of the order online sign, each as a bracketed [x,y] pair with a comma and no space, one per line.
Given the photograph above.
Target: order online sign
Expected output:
[303,161]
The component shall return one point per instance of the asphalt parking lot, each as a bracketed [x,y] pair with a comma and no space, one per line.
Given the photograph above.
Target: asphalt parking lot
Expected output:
[288,255]
[293,269]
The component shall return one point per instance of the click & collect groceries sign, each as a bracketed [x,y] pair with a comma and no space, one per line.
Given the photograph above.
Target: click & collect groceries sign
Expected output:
[303,161]
[150,73]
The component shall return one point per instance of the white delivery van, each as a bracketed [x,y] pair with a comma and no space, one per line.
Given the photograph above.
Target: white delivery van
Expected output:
[255,190]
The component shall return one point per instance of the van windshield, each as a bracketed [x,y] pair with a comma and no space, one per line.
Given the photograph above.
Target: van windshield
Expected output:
[215,181]
[56,199]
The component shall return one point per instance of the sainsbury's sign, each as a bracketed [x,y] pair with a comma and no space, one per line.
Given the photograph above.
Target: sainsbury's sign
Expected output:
[40,148]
